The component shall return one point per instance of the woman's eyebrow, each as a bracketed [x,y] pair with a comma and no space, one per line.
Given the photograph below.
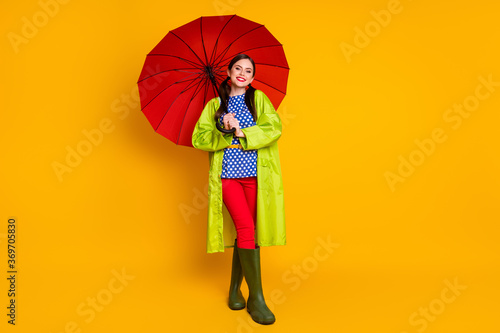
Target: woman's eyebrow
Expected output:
[243,67]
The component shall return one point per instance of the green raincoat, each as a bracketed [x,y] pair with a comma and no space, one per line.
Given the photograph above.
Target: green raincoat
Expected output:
[270,229]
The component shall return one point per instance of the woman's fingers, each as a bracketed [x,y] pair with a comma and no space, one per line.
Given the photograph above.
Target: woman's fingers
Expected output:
[230,121]
[234,123]
[225,121]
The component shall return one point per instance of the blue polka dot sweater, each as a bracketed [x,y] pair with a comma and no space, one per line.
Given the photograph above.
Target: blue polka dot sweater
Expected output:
[239,163]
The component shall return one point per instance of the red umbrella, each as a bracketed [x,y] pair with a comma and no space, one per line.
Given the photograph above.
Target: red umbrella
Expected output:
[182,73]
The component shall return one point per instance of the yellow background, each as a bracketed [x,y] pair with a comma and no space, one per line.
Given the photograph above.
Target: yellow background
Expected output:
[346,124]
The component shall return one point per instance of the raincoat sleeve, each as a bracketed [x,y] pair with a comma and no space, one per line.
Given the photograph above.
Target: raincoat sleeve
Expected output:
[205,135]
[268,128]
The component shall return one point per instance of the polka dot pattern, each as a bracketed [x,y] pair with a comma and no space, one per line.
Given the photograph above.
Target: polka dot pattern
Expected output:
[239,163]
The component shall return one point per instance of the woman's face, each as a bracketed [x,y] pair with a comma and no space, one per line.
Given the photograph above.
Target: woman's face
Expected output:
[241,73]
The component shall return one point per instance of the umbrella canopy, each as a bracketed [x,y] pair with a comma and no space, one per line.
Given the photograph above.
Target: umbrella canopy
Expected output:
[182,73]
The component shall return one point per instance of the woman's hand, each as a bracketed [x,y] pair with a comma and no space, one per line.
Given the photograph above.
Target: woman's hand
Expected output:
[226,120]
[239,133]
[231,122]
[234,123]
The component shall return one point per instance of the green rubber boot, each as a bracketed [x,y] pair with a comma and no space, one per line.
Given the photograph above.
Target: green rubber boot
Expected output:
[236,299]
[256,305]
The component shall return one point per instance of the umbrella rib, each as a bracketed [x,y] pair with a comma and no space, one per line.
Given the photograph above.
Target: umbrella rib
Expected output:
[183,91]
[221,78]
[205,93]
[260,63]
[170,70]
[173,56]
[261,47]
[201,61]
[220,75]
[223,53]
[214,91]
[197,90]
[214,51]
[203,41]
[161,92]
[270,86]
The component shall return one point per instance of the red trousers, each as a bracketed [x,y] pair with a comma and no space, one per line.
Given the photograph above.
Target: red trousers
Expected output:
[240,198]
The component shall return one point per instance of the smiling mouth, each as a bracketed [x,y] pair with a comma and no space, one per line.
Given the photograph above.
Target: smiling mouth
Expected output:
[240,79]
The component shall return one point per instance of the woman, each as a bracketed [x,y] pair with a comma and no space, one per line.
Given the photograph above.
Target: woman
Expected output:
[245,174]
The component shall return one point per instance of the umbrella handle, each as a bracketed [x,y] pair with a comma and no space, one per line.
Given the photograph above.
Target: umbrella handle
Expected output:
[223,130]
